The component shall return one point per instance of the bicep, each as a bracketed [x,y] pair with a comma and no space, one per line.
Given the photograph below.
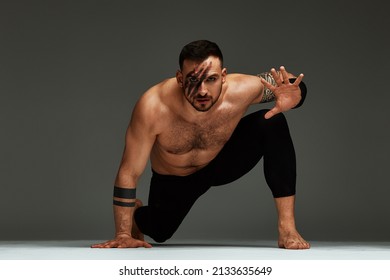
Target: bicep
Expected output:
[255,88]
[247,89]
[138,145]
[140,137]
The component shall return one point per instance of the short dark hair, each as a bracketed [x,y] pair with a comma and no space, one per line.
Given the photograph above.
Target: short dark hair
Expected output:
[199,50]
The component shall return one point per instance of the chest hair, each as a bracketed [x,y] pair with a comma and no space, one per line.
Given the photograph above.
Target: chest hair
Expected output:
[184,136]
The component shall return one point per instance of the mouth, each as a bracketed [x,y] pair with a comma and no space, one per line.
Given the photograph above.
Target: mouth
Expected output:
[202,100]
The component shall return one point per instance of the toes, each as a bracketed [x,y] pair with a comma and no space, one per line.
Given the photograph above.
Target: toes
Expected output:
[294,244]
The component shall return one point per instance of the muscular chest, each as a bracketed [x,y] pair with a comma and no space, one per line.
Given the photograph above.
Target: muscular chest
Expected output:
[183,137]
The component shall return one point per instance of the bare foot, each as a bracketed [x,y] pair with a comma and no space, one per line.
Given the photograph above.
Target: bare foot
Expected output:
[291,239]
[135,232]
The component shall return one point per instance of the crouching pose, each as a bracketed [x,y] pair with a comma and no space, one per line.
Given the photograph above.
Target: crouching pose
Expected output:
[194,130]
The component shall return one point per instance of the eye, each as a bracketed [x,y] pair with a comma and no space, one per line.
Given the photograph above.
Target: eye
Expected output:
[212,79]
[193,80]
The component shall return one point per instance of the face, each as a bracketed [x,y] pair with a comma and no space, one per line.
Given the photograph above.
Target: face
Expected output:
[202,82]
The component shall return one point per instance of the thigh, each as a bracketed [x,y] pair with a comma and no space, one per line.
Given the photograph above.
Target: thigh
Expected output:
[172,197]
[242,152]
[168,191]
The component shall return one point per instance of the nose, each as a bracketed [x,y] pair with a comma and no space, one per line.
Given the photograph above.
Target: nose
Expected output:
[202,90]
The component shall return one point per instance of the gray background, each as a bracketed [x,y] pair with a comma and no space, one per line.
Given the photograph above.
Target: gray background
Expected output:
[71,72]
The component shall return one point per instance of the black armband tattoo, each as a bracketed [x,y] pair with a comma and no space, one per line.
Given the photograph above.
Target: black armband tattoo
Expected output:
[123,204]
[126,194]
[303,89]
[268,94]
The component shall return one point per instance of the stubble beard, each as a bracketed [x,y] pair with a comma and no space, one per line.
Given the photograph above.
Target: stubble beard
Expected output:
[203,107]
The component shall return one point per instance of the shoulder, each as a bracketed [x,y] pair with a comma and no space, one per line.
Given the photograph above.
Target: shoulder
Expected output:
[243,86]
[150,108]
[152,101]
[243,81]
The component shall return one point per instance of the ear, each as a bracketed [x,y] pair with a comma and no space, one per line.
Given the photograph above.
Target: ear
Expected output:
[179,78]
[223,75]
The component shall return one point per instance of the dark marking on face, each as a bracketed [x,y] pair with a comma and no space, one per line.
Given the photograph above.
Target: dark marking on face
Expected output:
[194,80]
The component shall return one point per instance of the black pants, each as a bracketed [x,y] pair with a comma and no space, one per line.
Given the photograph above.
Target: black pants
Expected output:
[171,197]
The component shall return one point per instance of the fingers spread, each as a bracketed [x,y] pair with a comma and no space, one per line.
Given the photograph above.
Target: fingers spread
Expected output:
[101,245]
[276,77]
[111,245]
[284,74]
[298,80]
[267,84]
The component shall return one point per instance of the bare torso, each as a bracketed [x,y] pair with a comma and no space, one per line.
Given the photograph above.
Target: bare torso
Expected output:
[187,140]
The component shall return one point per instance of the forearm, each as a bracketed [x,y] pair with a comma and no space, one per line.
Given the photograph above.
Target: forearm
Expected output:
[268,95]
[123,217]
[124,198]
[126,176]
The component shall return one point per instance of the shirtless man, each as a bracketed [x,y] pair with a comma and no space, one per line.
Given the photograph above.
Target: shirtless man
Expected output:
[193,129]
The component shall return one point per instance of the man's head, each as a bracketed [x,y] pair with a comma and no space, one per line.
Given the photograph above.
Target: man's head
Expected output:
[201,74]
[199,51]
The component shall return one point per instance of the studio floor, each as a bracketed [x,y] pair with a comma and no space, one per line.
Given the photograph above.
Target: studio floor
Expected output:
[193,250]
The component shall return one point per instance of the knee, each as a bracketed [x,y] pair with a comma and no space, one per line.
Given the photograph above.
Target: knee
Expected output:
[262,113]
[277,124]
[162,230]
[276,119]
[161,237]
[154,223]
